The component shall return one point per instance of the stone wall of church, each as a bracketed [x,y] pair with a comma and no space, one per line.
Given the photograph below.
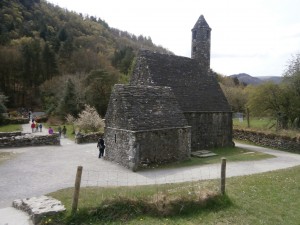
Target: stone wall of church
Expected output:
[210,129]
[136,150]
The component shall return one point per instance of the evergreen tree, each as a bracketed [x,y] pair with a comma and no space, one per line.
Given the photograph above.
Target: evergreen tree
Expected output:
[99,84]
[68,103]
[3,100]
[49,63]
[123,59]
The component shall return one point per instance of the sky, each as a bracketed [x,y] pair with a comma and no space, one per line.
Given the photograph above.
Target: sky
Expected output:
[257,37]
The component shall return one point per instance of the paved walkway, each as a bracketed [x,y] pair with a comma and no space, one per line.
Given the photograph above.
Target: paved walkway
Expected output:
[35,171]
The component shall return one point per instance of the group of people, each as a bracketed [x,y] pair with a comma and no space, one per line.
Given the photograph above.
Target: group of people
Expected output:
[61,131]
[35,127]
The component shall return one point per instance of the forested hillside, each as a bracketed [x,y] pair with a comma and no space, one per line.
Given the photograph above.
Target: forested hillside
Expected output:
[60,60]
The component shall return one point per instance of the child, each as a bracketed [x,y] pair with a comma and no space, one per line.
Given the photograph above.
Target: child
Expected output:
[40,126]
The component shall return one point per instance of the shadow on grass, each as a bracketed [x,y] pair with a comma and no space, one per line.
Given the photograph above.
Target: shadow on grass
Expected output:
[125,209]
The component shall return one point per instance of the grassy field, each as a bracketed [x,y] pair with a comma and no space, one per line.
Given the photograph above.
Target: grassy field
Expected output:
[11,128]
[268,198]
[265,125]
[230,153]
[258,123]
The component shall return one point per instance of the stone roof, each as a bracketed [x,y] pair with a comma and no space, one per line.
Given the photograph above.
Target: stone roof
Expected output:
[201,22]
[143,108]
[194,89]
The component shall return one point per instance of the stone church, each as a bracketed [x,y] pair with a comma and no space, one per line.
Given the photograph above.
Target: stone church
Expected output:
[172,106]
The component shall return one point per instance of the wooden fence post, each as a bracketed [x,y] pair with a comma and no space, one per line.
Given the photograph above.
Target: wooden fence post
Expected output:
[248,117]
[223,175]
[77,189]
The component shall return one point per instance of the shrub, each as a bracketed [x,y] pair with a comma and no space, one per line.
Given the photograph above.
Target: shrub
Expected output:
[89,120]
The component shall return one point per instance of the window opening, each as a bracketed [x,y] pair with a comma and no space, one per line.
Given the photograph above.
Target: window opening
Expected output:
[194,34]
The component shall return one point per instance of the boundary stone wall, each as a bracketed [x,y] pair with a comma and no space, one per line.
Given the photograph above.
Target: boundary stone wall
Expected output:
[269,140]
[29,140]
[10,134]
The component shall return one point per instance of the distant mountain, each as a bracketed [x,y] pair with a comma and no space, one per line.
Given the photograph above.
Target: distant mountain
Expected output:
[248,79]
[274,79]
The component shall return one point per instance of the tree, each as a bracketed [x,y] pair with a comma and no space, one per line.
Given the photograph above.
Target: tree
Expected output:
[99,84]
[53,90]
[270,99]
[10,70]
[291,86]
[31,74]
[235,93]
[49,63]
[3,100]
[123,59]
[69,103]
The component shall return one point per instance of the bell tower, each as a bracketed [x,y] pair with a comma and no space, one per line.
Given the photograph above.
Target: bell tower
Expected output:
[201,43]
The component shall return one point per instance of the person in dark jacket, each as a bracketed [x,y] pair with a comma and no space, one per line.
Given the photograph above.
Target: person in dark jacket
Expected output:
[101,147]
[64,131]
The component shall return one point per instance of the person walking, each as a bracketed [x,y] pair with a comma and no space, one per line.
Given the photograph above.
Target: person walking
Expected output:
[36,126]
[32,127]
[101,146]
[64,131]
[40,126]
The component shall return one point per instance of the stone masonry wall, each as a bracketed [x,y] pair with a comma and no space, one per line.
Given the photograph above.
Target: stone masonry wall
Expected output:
[29,140]
[268,140]
[201,42]
[87,138]
[118,144]
[10,134]
[210,129]
[136,150]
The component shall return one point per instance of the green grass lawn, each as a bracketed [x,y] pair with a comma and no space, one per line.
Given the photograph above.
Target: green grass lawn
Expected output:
[267,198]
[230,153]
[11,128]
[259,123]
[265,125]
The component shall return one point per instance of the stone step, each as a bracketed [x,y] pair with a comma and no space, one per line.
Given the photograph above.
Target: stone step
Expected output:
[202,154]
[38,207]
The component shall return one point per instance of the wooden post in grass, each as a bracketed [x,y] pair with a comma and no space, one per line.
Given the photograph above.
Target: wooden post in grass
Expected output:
[77,189]
[248,117]
[223,175]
